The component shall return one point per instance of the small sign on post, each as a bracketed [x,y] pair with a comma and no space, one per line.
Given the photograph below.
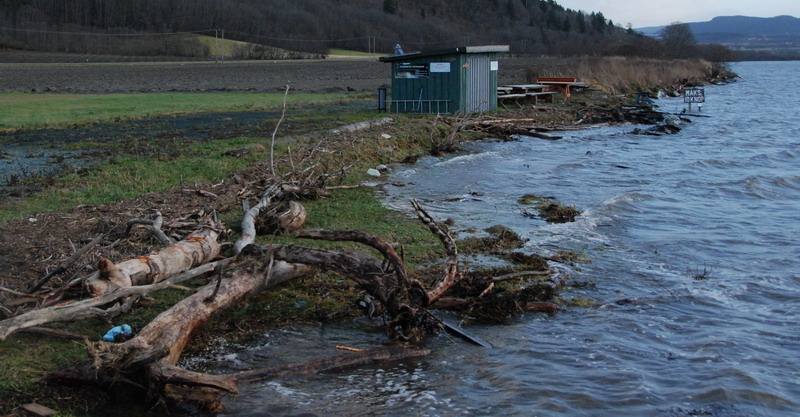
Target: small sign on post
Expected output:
[694,95]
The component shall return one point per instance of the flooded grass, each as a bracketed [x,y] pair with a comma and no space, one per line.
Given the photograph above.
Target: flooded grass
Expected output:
[24,111]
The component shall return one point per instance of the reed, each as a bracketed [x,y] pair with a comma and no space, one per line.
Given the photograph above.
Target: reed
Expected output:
[620,75]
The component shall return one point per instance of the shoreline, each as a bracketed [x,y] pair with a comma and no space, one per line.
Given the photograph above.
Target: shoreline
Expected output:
[413,136]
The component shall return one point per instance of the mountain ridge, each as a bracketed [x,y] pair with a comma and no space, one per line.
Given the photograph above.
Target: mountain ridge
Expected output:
[778,35]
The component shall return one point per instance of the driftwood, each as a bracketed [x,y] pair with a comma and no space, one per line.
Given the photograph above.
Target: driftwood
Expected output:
[182,385]
[249,218]
[282,219]
[542,307]
[61,268]
[92,307]
[155,228]
[156,349]
[451,273]
[196,249]
[355,358]
[54,333]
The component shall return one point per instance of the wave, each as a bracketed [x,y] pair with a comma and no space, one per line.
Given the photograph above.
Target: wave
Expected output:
[466,158]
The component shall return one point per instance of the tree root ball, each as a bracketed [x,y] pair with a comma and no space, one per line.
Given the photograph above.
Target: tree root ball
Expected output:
[284,218]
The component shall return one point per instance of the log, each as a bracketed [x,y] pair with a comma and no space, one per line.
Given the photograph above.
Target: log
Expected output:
[536,134]
[332,363]
[55,333]
[520,274]
[172,329]
[365,270]
[38,410]
[541,307]
[92,307]
[196,249]
[450,303]
[158,346]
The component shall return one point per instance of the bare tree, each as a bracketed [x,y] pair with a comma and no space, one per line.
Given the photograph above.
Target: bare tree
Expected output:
[679,41]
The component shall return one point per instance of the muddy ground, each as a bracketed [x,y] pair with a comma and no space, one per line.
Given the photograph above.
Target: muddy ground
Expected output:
[34,153]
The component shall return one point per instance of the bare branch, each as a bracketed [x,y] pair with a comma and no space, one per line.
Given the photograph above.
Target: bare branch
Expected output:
[451,274]
[66,264]
[274,132]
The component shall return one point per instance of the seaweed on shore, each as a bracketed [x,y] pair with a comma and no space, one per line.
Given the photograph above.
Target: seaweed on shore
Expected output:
[549,208]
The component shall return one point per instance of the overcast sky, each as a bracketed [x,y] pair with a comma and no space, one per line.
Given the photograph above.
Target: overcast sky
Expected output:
[643,13]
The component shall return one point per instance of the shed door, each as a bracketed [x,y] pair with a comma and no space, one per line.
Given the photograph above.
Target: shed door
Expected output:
[478,84]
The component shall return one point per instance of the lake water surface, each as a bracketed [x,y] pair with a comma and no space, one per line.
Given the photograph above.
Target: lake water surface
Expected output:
[720,199]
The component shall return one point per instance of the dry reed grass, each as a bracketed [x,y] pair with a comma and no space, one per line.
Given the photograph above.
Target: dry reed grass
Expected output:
[619,75]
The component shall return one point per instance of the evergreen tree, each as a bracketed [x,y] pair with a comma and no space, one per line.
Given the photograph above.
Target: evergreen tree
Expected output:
[390,6]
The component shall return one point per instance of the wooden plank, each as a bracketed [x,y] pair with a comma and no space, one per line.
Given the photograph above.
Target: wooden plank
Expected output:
[525,86]
[543,80]
[542,93]
[505,96]
[39,410]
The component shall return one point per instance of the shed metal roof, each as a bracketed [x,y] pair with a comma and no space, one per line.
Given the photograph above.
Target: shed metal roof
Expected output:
[451,51]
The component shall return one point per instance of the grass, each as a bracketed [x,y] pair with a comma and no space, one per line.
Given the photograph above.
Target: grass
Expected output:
[129,177]
[22,110]
[346,52]
[219,47]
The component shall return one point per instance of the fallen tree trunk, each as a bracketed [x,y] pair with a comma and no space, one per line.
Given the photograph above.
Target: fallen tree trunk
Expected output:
[196,249]
[158,346]
[149,358]
[92,307]
[172,329]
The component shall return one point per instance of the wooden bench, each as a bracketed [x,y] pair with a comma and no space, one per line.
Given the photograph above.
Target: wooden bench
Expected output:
[547,95]
[523,94]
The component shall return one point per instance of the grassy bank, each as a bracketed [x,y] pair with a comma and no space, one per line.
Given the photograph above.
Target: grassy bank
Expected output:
[19,110]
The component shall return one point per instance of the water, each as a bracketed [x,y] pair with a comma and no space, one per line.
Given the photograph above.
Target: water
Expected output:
[720,199]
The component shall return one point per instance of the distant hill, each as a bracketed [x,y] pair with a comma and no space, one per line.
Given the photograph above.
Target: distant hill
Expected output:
[779,35]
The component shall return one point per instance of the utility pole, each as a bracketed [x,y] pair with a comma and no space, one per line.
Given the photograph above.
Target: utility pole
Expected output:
[216,45]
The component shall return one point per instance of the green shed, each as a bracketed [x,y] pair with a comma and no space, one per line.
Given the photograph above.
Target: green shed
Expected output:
[456,80]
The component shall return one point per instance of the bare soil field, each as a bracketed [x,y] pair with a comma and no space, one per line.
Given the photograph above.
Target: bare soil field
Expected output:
[309,76]
[64,73]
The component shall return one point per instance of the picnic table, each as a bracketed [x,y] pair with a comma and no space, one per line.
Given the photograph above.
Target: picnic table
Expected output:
[564,85]
[524,93]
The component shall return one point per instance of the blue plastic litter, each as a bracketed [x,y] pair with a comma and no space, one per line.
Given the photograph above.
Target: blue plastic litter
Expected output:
[118,331]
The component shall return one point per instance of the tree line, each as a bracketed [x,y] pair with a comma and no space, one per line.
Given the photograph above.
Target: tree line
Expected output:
[315,26]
